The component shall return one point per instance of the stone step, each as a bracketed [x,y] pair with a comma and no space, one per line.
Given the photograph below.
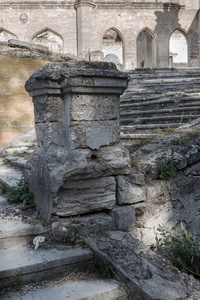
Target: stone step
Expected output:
[27,265]
[160,119]
[162,112]
[130,139]
[143,271]
[78,290]
[193,97]
[8,175]
[15,233]
[140,90]
[149,104]
[147,128]
[17,229]
[163,80]
[18,163]
[23,146]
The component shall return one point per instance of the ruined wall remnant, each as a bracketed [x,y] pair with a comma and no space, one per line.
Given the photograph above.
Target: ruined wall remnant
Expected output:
[16,108]
[73,170]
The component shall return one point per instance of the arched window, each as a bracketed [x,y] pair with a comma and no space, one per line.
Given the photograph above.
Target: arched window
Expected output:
[112,48]
[6,35]
[178,48]
[49,38]
[146,50]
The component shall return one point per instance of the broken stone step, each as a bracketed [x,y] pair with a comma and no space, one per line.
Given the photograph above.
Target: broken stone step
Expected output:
[16,233]
[17,163]
[162,112]
[29,265]
[74,290]
[9,176]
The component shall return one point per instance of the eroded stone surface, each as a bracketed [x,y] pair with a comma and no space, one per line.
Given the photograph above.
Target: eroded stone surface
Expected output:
[147,274]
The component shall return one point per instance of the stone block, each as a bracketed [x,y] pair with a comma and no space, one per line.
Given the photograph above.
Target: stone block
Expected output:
[123,217]
[83,196]
[48,109]
[94,135]
[128,193]
[85,225]
[50,134]
[157,192]
[94,107]
[137,178]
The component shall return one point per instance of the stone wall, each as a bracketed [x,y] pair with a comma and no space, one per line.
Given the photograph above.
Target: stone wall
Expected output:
[167,202]
[16,108]
[78,27]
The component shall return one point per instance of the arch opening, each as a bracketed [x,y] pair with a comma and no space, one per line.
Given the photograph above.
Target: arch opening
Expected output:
[112,48]
[6,35]
[178,48]
[49,39]
[146,50]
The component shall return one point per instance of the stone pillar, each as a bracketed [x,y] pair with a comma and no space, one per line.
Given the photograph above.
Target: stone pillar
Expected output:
[84,27]
[74,167]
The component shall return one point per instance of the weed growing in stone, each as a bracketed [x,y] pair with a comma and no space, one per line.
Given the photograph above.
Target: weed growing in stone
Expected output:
[19,193]
[73,236]
[181,248]
[169,129]
[167,169]
[107,271]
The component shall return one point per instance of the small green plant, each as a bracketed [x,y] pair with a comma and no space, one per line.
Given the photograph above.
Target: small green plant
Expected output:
[167,169]
[175,141]
[181,248]
[73,236]
[106,271]
[19,193]
[169,129]
[139,225]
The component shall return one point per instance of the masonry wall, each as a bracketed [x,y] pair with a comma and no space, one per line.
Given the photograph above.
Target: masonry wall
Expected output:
[16,108]
[79,26]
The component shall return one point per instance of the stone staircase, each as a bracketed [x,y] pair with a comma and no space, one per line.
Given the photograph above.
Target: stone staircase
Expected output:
[158,100]
[54,270]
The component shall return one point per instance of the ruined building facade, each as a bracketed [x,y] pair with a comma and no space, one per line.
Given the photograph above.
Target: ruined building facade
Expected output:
[131,33]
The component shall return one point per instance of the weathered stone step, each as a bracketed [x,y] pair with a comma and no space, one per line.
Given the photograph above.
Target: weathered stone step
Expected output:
[28,265]
[143,271]
[16,233]
[187,96]
[147,128]
[161,80]
[8,175]
[163,119]
[79,290]
[162,112]
[130,139]
[131,98]
[17,163]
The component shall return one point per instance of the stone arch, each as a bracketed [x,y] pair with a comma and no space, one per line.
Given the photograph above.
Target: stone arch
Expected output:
[6,35]
[49,38]
[146,49]
[178,48]
[112,47]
